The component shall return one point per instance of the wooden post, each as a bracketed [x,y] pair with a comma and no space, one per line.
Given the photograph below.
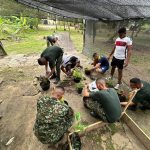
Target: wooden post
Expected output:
[56,22]
[130,100]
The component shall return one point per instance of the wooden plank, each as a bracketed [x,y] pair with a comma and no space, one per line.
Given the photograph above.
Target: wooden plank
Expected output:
[132,95]
[88,129]
[143,138]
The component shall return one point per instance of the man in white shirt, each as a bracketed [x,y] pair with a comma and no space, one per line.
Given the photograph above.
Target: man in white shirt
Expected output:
[121,54]
[69,62]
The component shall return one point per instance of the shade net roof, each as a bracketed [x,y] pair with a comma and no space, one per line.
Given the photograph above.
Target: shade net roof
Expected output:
[94,9]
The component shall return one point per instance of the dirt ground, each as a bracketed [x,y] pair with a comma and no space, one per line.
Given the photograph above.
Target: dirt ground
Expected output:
[18,97]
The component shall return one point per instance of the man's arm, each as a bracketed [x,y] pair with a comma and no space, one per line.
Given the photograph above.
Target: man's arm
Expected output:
[78,64]
[97,66]
[86,92]
[46,68]
[50,73]
[112,52]
[129,48]
[63,69]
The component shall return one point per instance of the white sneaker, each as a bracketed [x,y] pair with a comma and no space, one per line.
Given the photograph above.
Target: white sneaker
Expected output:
[117,86]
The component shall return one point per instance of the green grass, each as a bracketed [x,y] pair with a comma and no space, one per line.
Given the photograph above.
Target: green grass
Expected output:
[77,39]
[33,42]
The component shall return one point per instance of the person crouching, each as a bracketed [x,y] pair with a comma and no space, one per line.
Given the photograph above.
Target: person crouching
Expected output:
[104,103]
[53,118]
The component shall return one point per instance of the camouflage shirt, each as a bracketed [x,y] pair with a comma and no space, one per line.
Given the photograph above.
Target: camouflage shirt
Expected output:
[52,120]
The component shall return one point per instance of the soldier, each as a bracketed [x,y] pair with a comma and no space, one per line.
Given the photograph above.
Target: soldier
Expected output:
[52,55]
[51,40]
[53,118]
[142,98]
[103,103]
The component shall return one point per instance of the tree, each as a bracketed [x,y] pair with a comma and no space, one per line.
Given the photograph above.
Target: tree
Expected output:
[2,51]
[12,8]
[116,25]
[137,26]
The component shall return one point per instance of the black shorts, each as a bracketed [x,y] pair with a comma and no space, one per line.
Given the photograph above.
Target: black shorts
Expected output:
[117,63]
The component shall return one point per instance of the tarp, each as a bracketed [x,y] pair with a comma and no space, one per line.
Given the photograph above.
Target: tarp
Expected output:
[94,9]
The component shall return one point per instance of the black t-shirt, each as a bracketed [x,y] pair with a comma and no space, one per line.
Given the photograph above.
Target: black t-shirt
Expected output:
[110,103]
[51,39]
[51,54]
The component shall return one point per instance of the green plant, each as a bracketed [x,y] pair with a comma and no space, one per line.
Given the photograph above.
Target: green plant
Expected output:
[77,74]
[110,83]
[79,85]
[79,126]
[14,27]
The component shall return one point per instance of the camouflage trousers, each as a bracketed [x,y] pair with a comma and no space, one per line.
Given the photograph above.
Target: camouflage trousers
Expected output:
[95,107]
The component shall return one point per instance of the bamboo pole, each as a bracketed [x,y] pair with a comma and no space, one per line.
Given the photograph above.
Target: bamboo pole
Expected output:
[69,142]
[130,100]
[88,129]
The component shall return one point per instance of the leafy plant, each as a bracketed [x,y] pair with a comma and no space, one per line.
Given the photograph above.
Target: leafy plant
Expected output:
[12,27]
[79,126]
[79,85]
[77,74]
[110,83]
[78,116]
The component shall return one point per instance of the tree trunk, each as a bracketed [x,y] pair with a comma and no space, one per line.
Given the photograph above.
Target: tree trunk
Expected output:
[138,31]
[56,22]
[2,51]
[132,34]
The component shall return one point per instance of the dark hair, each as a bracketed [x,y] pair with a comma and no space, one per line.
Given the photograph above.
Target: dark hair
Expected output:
[40,61]
[60,87]
[73,59]
[135,81]
[94,54]
[122,30]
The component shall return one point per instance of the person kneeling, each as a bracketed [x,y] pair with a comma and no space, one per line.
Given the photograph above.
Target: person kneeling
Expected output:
[53,118]
[68,63]
[142,97]
[100,64]
[103,103]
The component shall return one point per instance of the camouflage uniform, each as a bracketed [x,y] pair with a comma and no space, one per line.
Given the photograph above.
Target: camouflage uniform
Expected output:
[95,107]
[52,121]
